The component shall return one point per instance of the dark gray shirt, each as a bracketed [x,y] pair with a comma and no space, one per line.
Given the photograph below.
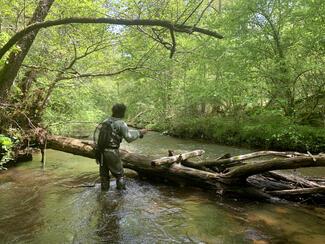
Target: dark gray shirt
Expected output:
[121,131]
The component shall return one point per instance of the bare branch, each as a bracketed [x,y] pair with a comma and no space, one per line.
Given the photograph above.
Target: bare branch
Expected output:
[159,39]
[194,10]
[156,38]
[77,76]
[40,68]
[60,77]
[300,191]
[202,13]
[173,48]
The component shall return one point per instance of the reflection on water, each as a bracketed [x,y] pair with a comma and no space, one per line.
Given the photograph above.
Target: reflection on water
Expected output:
[38,206]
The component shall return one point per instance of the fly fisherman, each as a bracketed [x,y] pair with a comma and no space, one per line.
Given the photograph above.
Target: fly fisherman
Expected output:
[111,134]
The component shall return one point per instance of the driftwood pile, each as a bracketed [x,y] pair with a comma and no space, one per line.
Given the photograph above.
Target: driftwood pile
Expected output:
[254,175]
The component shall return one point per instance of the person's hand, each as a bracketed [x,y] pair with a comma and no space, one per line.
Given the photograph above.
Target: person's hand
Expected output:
[143,131]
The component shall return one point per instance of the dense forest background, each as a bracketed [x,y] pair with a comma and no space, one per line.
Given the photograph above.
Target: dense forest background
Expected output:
[262,85]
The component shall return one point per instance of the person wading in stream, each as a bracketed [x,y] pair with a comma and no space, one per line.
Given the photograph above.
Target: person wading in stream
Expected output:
[110,135]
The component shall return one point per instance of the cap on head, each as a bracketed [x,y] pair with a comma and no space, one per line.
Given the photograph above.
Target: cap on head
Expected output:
[118,110]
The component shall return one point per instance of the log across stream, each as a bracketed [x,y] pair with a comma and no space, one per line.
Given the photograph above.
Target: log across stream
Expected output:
[258,179]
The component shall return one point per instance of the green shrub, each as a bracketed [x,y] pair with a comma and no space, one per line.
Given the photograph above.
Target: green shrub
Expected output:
[269,131]
[6,145]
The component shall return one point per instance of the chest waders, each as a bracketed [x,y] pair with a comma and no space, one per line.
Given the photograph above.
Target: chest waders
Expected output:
[109,160]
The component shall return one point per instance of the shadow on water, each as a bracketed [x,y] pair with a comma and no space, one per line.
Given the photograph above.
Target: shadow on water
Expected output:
[108,229]
[145,213]
[38,206]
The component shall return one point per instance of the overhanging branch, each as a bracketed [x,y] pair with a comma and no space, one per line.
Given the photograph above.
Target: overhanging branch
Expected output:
[98,74]
[136,22]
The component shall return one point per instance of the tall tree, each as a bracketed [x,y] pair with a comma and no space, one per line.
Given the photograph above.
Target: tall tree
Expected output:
[10,69]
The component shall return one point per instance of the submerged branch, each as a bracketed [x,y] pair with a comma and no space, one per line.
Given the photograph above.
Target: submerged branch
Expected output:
[300,191]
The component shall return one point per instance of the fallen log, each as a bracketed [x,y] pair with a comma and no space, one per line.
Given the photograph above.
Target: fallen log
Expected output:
[219,168]
[176,158]
[247,170]
[295,179]
[175,169]
[134,161]
[231,160]
[300,191]
[268,183]
[195,165]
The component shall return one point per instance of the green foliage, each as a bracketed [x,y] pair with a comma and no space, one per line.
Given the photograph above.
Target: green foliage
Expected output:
[262,132]
[6,146]
[4,37]
[76,112]
[262,85]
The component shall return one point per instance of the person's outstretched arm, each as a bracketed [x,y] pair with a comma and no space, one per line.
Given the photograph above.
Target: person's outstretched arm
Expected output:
[130,135]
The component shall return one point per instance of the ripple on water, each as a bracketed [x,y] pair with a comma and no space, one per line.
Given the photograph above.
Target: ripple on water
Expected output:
[46,207]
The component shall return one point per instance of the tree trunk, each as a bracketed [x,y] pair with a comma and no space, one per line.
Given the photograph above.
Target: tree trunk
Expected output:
[10,70]
[235,181]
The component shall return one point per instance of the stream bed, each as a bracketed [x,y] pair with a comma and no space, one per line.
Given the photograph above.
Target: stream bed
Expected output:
[45,206]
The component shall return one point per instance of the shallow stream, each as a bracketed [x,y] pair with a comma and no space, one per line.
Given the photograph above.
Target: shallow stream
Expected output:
[43,206]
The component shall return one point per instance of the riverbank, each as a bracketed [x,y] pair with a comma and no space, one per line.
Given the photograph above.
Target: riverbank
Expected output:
[272,133]
[254,132]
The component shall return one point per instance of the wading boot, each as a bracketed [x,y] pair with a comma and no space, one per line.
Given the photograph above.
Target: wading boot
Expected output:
[120,185]
[104,183]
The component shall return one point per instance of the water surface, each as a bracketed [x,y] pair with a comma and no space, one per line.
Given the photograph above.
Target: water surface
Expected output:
[45,206]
